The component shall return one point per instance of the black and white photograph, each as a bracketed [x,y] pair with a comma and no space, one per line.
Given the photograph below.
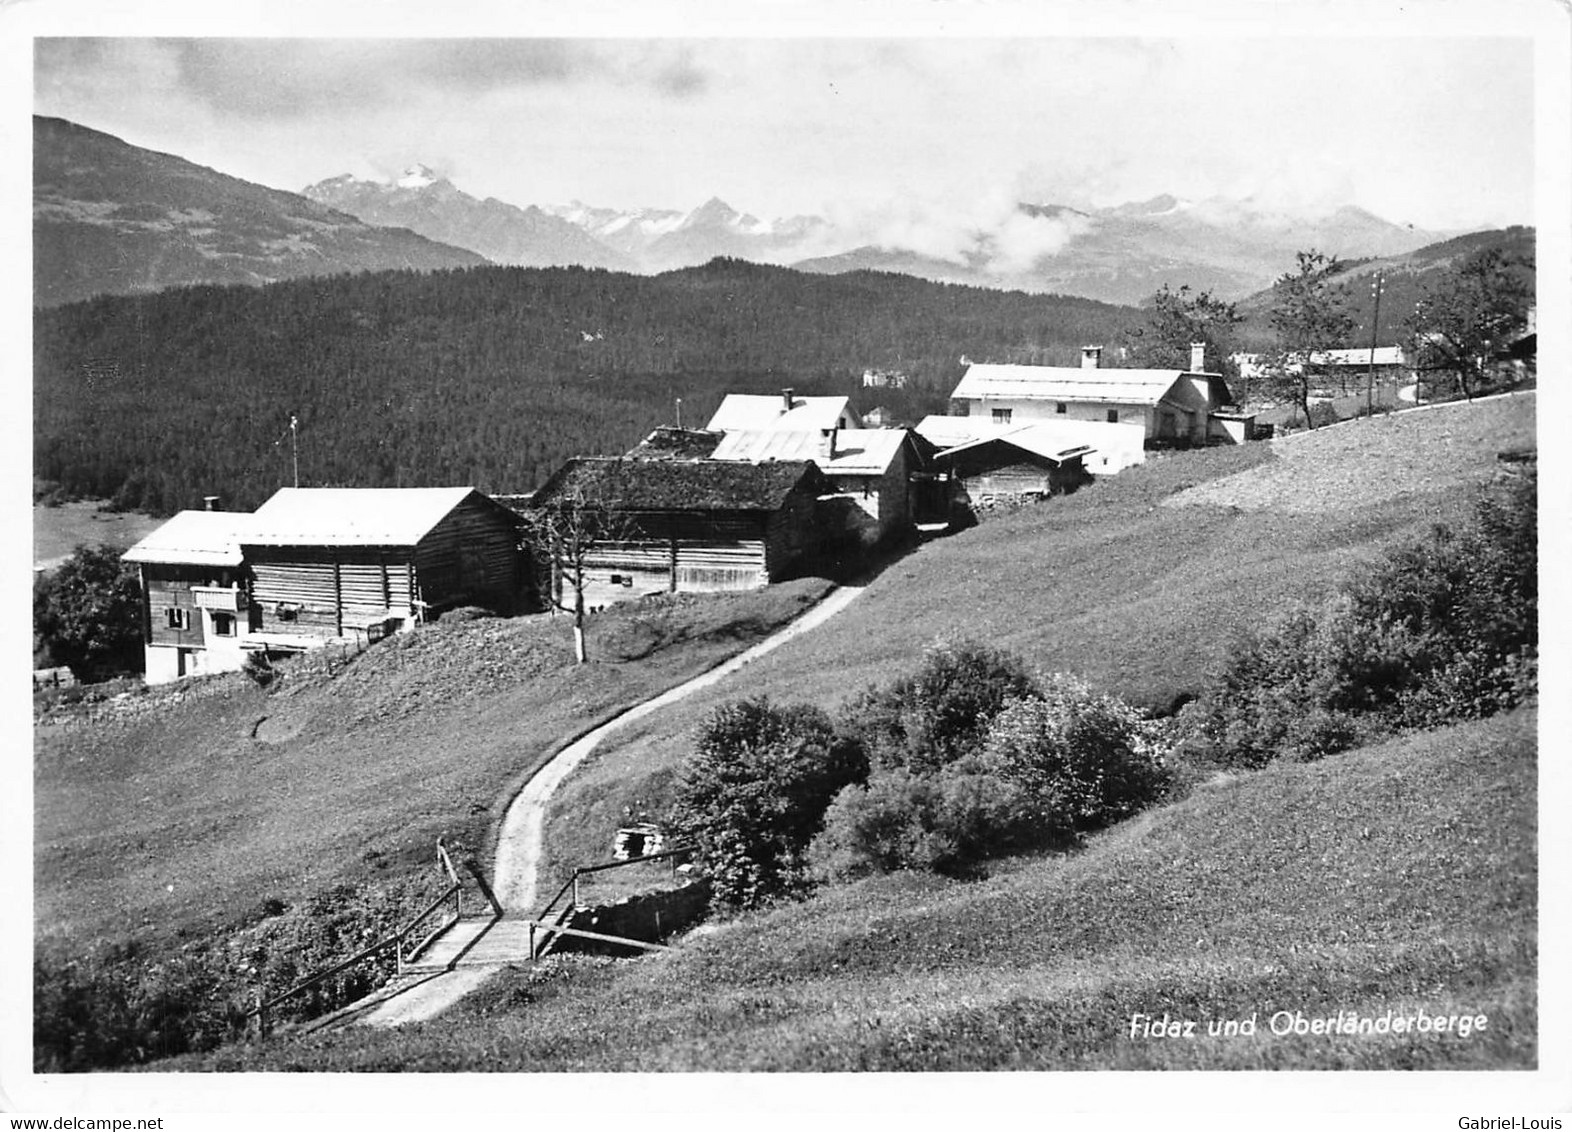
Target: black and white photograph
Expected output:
[950,560]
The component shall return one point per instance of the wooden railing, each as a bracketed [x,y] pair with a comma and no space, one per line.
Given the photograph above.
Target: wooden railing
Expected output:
[451,894]
[549,929]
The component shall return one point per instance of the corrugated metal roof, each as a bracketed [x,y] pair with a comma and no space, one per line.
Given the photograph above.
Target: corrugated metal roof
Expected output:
[352,516]
[952,432]
[1066,383]
[760,411]
[1038,441]
[858,451]
[195,538]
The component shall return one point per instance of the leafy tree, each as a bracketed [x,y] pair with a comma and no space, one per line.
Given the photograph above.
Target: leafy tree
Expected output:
[752,795]
[88,614]
[1309,313]
[940,713]
[1175,320]
[1089,756]
[947,822]
[1464,320]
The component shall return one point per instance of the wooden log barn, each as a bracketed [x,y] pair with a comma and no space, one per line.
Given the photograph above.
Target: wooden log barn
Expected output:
[317,565]
[695,525]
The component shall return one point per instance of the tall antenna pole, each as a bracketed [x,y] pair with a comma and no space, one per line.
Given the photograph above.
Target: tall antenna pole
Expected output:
[1375,325]
[294,447]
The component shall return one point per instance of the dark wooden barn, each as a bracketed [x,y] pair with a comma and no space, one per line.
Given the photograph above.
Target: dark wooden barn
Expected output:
[693,525]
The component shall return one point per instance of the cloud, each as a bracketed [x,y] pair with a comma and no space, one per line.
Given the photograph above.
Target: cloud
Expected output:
[990,232]
[289,79]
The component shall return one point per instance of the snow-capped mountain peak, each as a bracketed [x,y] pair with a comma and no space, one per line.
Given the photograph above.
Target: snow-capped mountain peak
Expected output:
[417,176]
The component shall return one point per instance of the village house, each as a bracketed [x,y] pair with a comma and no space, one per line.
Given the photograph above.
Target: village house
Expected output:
[1389,365]
[693,525]
[1168,407]
[874,468]
[788,411]
[314,565]
[196,597]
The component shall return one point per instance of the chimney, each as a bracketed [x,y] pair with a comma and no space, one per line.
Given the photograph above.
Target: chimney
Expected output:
[210,503]
[786,399]
[829,436]
[1090,356]
[1197,357]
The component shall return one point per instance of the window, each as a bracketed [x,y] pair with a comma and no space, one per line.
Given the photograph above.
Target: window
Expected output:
[1058,407]
[1001,416]
[287,612]
[1113,416]
[622,579]
[177,618]
[223,624]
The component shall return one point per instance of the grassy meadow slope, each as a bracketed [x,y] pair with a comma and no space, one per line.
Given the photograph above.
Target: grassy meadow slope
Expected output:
[1137,584]
[1399,877]
[180,816]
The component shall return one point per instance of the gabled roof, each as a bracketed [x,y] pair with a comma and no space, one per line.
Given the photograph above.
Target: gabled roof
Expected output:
[950,433]
[620,484]
[352,516]
[1384,356]
[671,443]
[1036,441]
[857,451]
[757,411]
[195,538]
[1069,383]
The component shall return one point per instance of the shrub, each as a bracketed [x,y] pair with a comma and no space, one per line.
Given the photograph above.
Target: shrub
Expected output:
[941,713]
[1078,753]
[88,614]
[946,822]
[1439,630]
[754,791]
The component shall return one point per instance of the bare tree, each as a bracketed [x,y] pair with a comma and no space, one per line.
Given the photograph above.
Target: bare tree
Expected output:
[567,528]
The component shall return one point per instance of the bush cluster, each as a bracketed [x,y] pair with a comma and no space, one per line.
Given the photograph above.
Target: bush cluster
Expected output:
[968,758]
[1440,630]
[751,796]
[119,1006]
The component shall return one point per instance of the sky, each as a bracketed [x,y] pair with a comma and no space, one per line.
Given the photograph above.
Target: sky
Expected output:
[1435,131]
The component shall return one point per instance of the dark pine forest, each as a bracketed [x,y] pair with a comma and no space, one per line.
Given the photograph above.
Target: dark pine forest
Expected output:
[489,376]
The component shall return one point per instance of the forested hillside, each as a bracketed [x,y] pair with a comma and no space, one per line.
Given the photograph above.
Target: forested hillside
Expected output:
[1403,281]
[483,376]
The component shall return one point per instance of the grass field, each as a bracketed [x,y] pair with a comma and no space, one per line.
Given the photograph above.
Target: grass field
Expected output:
[1138,584]
[175,821]
[57,531]
[171,822]
[1400,877]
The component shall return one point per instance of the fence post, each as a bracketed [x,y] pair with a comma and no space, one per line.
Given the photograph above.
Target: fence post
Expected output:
[575,888]
[532,941]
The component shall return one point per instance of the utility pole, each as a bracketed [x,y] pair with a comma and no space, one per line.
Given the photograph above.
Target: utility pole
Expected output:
[1375,327]
[294,447]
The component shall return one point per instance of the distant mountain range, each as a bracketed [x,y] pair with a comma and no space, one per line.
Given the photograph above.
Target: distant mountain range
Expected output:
[113,218]
[423,202]
[110,217]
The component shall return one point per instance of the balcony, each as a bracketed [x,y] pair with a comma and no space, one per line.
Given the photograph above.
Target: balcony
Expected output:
[222,599]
